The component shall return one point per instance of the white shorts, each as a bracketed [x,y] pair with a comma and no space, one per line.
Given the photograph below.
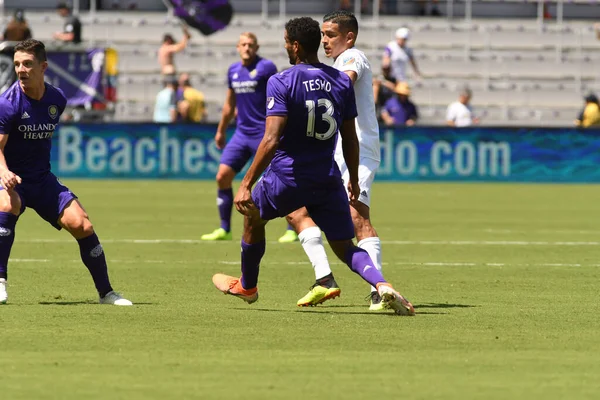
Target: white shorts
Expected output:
[367,167]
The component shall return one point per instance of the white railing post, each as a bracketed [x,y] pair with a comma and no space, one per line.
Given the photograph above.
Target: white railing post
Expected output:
[450,9]
[469,12]
[264,12]
[76,7]
[357,9]
[488,52]
[540,15]
[282,11]
[376,14]
[578,83]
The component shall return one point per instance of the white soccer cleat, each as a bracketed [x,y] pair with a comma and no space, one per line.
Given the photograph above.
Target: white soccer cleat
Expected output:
[3,293]
[394,300]
[116,299]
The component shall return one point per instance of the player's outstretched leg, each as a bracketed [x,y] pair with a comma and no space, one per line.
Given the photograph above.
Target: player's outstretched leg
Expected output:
[289,236]
[225,177]
[253,249]
[359,261]
[325,286]
[75,220]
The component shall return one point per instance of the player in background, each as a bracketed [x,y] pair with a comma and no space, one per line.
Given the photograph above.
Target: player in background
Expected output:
[306,105]
[247,86]
[339,31]
[29,113]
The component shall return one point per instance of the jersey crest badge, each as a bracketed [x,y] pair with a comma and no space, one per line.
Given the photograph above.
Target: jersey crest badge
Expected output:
[253,73]
[53,111]
[349,60]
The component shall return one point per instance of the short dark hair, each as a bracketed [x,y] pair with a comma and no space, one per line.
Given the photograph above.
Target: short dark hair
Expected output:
[63,6]
[345,20]
[305,31]
[168,37]
[34,47]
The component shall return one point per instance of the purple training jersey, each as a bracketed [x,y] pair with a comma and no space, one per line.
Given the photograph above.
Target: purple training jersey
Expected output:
[316,100]
[250,85]
[30,125]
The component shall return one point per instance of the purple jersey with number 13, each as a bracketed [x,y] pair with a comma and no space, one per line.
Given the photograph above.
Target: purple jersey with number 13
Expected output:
[316,99]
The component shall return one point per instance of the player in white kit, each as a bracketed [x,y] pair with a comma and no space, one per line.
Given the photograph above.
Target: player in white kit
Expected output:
[339,31]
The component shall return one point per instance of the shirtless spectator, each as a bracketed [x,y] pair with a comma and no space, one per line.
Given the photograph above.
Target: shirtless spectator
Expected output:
[166,51]
[17,29]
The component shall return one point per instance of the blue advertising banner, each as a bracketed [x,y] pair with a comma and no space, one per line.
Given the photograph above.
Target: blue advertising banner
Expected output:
[407,154]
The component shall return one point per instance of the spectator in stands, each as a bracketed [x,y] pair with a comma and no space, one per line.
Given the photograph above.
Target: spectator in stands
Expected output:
[71,29]
[429,7]
[399,110]
[17,29]
[166,51]
[590,115]
[398,55]
[165,108]
[190,105]
[460,113]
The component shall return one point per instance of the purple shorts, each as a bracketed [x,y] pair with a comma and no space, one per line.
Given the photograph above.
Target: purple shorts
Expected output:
[47,197]
[328,207]
[239,150]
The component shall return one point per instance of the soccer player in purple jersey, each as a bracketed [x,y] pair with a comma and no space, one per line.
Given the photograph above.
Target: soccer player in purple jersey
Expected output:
[29,113]
[247,81]
[306,105]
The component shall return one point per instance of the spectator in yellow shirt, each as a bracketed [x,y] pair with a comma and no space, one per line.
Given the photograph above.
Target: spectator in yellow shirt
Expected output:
[590,116]
[191,106]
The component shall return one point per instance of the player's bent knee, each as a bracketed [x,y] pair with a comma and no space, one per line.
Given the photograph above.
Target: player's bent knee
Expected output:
[10,202]
[225,176]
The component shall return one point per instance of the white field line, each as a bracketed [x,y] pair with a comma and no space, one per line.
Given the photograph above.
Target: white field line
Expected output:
[388,242]
[417,264]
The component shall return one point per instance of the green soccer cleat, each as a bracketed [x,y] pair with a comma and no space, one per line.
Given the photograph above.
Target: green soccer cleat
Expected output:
[376,303]
[318,294]
[217,234]
[288,237]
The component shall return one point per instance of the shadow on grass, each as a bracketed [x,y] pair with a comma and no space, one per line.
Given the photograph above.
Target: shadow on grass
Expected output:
[442,305]
[78,303]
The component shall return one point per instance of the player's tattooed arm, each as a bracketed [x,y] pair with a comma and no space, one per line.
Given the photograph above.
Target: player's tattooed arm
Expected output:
[8,179]
[264,154]
[350,148]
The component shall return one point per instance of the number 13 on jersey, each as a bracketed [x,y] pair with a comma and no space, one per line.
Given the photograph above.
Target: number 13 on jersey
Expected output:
[326,116]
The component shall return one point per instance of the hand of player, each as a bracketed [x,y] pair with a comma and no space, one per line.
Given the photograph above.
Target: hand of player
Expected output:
[186,32]
[243,201]
[353,191]
[220,140]
[9,180]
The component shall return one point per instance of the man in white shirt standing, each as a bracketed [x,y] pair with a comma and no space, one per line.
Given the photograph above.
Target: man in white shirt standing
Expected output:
[398,55]
[460,113]
[339,31]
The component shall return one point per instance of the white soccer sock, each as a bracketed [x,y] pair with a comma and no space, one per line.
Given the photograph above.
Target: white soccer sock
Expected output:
[373,246]
[313,246]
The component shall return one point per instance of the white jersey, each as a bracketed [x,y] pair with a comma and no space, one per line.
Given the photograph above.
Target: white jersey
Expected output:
[460,114]
[367,127]
[399,57]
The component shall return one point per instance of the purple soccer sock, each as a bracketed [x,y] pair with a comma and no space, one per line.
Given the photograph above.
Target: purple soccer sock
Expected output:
[359,261]
[251,256]
[290,228]
[225,203]
[7,237]
[93,257]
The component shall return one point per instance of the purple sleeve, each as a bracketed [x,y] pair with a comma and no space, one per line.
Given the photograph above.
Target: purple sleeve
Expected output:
[350,103]
[7,116]
[276,97]
[387,51]
[270,69]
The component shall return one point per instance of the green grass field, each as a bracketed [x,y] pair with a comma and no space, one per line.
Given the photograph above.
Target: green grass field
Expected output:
[504,279]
